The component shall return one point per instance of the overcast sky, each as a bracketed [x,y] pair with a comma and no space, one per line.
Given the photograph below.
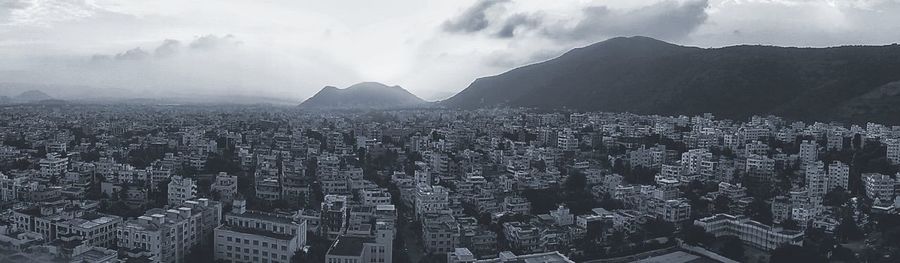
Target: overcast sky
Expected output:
[292,48]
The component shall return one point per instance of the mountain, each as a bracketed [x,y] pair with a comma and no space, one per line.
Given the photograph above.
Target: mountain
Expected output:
[648,76]
[366,95]
[32,96]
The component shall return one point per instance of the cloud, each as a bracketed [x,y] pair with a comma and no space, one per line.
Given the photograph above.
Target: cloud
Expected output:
[168,48]
[666,20]
[171,47]
[132,54]
[213,41]
[517,21]
[473,19]
[7,7]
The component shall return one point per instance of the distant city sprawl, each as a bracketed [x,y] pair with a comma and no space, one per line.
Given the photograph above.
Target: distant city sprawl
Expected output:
[85,182]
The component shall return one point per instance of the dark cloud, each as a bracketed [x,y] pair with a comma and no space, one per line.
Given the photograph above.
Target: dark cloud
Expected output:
[133,54]
[516,21]
[474,19]
[168,48]
[666,20]
[213,41]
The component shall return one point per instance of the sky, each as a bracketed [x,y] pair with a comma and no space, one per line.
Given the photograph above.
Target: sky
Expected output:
[292,48]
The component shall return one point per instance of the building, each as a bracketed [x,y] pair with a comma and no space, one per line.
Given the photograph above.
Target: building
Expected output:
[53,165]
[839,175]
[893,151]
[835,140]
[431,199]
[750,232]
[254,236]
[334,216]
[816,181]
[225,186]
[463,255]
[878,186]
[170,235]
[566,140]
[760,168]
[181,189]
[377,247]
[808,151]
[674,211]
[94,229]
[781,209]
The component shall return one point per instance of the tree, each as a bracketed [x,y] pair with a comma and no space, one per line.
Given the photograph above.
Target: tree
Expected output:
[790,224]
[836,197]
[794,254]
[842,253]
[760,211]
[695,235]
[722,204]
[732,247]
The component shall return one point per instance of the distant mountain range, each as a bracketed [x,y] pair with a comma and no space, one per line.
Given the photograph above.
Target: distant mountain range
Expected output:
[648,76]
[366,95]
[30,96]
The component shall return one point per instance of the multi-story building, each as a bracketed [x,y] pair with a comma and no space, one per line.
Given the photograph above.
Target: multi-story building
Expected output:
[169,235]
[760,168]
[566,140]
[692,160]
[839,175]
[373,197]
[878,186]
[377,247]
[808,151]
[93,229]
[431,199]
[516,205]
[181,189]
[750,232]
[835,140]
[254,236]
[522,236]
[893,150]
[334,216]
[225,186]
[464,255]
[53,165]
[781,209]
[674,211]
[816,181]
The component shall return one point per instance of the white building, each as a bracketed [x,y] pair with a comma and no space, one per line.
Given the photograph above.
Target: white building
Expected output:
[880,186]
[816,181]
[181,189]
[226,186]
[693,159]
[53,165]
[169,235]
[839,175]
[377,247]
[893,150]
[463,255]
[674,211]
[253,236]
[808,151]
[431,199]
[749,231]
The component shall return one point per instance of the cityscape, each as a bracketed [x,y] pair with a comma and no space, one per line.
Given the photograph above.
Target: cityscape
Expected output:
[173,183]
[455,131]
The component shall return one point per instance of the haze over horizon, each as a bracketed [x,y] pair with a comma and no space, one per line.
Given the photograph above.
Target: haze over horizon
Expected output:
[291,49]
